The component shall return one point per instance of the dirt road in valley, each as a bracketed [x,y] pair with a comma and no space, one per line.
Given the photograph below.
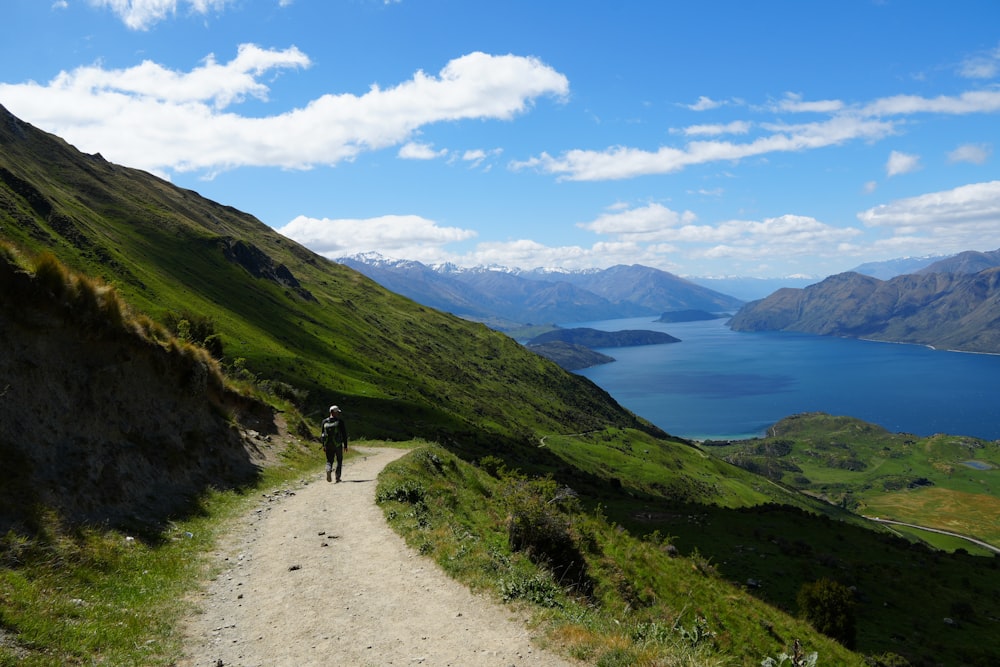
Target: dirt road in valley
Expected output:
[314,576]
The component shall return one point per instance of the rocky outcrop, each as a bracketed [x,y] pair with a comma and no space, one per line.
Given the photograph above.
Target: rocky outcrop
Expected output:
[260,265]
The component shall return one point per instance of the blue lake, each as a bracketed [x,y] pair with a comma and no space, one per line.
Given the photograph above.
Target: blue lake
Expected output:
[717,383]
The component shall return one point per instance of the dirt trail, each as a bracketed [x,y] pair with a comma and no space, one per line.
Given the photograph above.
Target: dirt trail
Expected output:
[316,577]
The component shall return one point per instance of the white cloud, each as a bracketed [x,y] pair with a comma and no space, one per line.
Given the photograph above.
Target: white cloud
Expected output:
[967,209]
[704,104]
[623,162]
[901,163]
[982,66]
[157,119]
[142,14]
[477,156]
[974,153]
[736,127]
[869,122]
[976,101]
[869,187]
[793,102]
[939,222]
[660,229]
[652,222]
[413,150]
[409,236]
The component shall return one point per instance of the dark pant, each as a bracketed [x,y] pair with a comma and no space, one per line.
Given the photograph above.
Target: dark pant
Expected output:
[334,452]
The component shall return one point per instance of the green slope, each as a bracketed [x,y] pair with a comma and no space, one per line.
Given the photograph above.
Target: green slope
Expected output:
[946,482]
[398,369]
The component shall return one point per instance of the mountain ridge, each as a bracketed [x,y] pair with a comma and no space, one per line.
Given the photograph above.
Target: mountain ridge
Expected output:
[541,295]
[955,311]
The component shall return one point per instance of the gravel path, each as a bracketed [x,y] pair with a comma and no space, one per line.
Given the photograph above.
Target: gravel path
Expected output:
[316,577]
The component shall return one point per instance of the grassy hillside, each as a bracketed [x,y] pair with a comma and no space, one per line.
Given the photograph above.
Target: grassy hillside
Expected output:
[602,595]
[945,482]
[398,369]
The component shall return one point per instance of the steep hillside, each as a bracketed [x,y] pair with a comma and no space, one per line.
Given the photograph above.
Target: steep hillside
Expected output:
[946,310]
[282,312]
[108,420]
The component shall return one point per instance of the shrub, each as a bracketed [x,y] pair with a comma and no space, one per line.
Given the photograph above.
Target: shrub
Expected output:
[492,466]
[829,607]
[538,588]
[537,528]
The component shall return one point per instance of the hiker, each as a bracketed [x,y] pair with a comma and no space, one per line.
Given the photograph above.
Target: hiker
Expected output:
[334,439]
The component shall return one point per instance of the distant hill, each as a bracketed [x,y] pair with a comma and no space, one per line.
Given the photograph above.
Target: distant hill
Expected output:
[891,268]
[964,262]
[594,338]
[970,261]
[945,310]
[570,356]
[538,295]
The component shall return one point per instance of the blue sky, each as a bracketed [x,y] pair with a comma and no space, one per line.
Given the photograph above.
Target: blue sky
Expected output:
[706,138]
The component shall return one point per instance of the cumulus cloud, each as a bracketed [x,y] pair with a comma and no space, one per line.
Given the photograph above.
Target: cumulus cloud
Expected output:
[969,206]
[143,14]
[157,119]
[941,222]
[653,222]
[659,229]
[974,153]
[409,236]
[901,163]
[414,150]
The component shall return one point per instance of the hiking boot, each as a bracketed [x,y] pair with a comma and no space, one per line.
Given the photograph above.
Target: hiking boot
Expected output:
[328,476]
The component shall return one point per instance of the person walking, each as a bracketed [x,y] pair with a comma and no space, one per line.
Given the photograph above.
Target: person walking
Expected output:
[334,439]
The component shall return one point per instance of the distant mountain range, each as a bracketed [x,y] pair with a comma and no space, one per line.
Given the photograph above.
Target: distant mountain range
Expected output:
[953,303]
[505,297]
